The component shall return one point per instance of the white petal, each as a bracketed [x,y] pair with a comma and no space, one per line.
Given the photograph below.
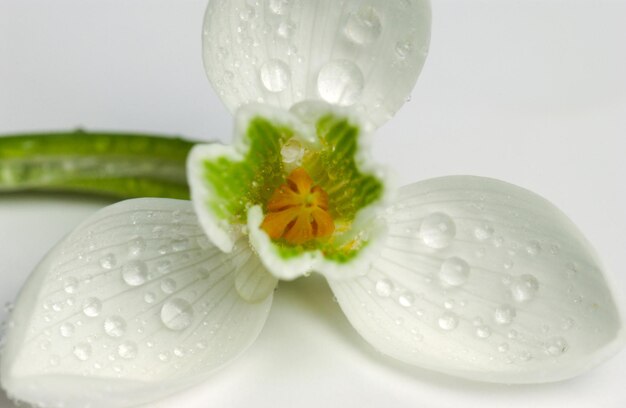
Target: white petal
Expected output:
[488,281]
[365,54]
[132,306]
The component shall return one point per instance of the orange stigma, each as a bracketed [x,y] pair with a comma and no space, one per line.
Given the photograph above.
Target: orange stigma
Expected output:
[298,211]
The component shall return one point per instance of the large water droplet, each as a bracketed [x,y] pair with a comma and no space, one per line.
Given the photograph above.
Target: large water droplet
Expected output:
[115,326]
[292,151]
[92,307]
[177,314]
[135,273]
[448,321]
[364,26]
[454,272]
[67,330]
[437,230]
[504,314]
[384,287]
[82,351]
[524,288]
[340,82]
[127,350]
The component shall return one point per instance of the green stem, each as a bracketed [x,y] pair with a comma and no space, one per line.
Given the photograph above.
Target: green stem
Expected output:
[117,165]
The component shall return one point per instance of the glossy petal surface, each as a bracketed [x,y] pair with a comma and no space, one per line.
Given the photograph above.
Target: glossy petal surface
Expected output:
[366,54]
[133,305]
[484,280]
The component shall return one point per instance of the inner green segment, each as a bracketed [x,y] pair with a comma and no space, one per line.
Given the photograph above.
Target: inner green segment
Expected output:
[237,185]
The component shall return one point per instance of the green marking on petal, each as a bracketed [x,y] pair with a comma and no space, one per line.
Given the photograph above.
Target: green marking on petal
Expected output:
[261,171]
[238,184]
[334,168]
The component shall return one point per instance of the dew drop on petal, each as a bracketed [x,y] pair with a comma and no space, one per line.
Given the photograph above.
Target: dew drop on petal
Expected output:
[454,272]
[504,314]
[533,248]
[556,346]
[483,332]
[168,285]
[82,351]
[524,288]
[483,232]
[92,307]
[108,261]
[437,230]
[70,285]
[448,321]
[275,75]
[364,26]
[176,314]
[67,330]
[384,287]
[406,299]
[114,326]
[135,273]
[127,350]
[279,7]
[340,82]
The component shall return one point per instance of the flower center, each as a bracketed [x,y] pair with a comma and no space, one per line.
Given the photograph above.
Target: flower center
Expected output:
[298,211]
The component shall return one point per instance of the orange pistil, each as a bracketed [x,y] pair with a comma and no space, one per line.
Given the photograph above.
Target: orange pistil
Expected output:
[298,211]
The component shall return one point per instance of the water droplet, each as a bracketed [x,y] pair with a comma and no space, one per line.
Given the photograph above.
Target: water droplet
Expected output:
[384,287]
[503,348]
[177,314]
[483,232]
[136,246]
[115,326]
[54,360]
[67,330]
[340,82]
[180,244]
[437,230]
[82,351]
[556,346]
[127,350]
[533,248]
[483,332]
[164,356]
[403,48]
[149,297]
[135,273]
[108,261]
[286,29]
[448,321]
[92,307]
[279,6]
[406,299]
[454,272]
[364,26]
[524,288]
[70,285]
[168,286]
[292,151]
[504,314]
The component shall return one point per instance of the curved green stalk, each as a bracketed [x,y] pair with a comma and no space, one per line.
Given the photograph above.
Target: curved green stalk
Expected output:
[117,165]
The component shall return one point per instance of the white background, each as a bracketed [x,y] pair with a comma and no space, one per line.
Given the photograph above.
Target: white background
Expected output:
[531,92]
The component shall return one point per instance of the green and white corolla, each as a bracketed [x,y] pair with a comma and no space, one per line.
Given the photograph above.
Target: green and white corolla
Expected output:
[463,275]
